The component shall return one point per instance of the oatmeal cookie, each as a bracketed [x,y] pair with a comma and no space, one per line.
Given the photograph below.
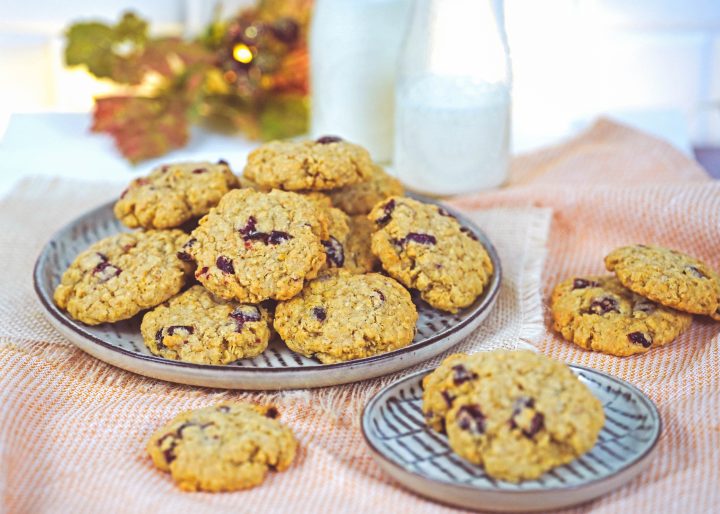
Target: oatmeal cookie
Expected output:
[122,275]
[197,327]
[254,246]
[341,316]
[425,248]
[598,313]
[226,447]
[173,194]
[326,163]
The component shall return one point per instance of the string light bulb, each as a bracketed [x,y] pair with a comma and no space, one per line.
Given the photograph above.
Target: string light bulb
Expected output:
[242,53]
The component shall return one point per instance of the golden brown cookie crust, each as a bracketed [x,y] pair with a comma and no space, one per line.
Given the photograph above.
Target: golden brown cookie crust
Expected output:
[121,275]
[666,276]
[254,246]
[196,326]
[517,413]
[598,313]
[226,447]
[295,166]
[425,248]
[173,194]
[361,198]
[341,316]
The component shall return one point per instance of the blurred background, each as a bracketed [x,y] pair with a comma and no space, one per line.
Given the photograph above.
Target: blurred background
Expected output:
[648,60]
[653,64]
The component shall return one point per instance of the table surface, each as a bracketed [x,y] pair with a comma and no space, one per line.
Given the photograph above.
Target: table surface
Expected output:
[61,144]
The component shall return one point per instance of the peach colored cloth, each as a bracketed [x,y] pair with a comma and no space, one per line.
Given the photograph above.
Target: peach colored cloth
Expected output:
[72,429]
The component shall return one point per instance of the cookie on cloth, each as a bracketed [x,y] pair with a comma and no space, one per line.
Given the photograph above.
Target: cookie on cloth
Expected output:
[361,198]
[517,413]
[254,246]
[598,313]
[121,275]
[341,316]
[195,326]
[226,447]
[425,248]
[326,163]
[666,276]
[173,194]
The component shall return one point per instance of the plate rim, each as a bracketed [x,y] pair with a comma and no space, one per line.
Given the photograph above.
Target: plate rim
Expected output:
[50,309]
[545,490]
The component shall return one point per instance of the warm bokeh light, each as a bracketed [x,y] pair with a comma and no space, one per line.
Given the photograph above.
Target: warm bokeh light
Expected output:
[242,53]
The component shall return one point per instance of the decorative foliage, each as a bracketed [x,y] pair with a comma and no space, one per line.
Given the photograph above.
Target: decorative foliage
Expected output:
[248,74]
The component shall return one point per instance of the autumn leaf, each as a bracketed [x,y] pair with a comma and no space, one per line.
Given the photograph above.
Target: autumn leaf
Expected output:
[143,127]
[100,47]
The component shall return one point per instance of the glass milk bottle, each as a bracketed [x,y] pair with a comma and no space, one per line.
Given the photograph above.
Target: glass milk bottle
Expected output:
[452,109]
[354,47]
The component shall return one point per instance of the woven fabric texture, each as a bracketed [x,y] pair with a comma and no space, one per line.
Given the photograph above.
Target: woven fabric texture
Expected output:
[73,429]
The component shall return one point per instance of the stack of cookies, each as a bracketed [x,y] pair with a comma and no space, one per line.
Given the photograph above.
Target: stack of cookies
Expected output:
[314,242]
[648,302]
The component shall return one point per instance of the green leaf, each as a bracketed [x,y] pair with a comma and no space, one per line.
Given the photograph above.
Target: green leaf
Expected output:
[284,116]
[102,47]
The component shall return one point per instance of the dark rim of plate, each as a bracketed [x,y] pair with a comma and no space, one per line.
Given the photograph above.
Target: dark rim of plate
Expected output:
[485,301]
[371,405]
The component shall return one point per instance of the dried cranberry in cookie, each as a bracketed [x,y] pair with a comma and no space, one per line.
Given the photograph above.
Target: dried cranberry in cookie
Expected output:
[423,248]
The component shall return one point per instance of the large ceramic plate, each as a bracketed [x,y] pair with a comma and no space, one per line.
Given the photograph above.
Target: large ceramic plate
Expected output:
[421,460]
[120,344]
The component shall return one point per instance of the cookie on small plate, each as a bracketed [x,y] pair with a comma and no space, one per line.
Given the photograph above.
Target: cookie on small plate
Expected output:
[197,327]
[254,246]
[520,415]
[361,198]
[173,194]
[424,247]
[598,313]
[341,316]
[326,163]
[226,447]
[666,276]
[121,275]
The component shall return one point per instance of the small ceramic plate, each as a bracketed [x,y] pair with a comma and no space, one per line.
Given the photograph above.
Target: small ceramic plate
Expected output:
[421,460]
[121,344]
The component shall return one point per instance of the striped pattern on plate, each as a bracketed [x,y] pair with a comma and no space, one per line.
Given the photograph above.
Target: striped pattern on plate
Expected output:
[394,427]
[121,343]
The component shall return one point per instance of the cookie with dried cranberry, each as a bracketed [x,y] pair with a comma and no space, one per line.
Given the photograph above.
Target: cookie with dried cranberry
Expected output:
[598,313]
[666,276]
[519,414]
[341,316]
[358,252]
[121,275]
[426,248]
[326,163]
[254,246]
[361,198]
[195,326]
[173,194]
[226,447]
[338,230]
